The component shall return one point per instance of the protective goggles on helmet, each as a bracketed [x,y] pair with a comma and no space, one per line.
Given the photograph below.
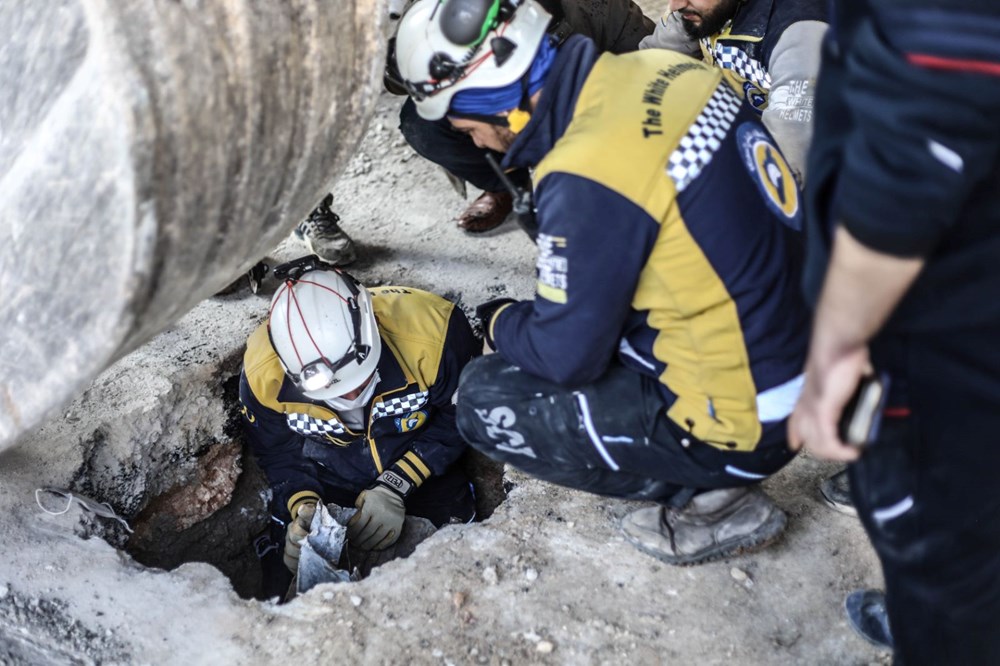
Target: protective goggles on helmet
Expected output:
[445,71]
[465,23]
[322,373]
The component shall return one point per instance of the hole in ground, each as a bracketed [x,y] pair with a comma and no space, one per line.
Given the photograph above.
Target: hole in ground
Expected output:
[165,537]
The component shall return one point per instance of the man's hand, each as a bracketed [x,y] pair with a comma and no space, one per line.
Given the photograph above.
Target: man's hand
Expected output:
[861,289]
[827,389]
[297,531]
[379,519]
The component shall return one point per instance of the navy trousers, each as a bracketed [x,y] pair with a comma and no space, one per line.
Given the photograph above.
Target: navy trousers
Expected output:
[928,493]
[610,437]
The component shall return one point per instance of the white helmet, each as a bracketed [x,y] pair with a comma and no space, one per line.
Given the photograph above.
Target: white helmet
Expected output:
[323,327]
[445,47]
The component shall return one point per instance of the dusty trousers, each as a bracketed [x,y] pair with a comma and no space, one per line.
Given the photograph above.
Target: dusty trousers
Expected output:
[610,437]
[928,494]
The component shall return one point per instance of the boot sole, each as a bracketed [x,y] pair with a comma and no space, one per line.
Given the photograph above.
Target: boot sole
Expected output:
[839,507]
[846,509]
[764,536]
[341,261]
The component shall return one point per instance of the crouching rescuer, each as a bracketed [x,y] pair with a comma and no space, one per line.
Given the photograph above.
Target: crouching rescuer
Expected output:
[662,353]
[347,398]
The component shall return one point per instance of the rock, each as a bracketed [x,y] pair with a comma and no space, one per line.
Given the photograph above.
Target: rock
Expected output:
[356,600]
[151,152]
[490,575]
[739,575]
[196,499]
[530,575]
[545,647]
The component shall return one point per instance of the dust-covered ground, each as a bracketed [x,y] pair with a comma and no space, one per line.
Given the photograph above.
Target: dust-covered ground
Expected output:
[546,579]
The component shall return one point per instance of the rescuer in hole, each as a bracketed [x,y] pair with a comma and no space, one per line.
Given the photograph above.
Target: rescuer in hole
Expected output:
[346,397]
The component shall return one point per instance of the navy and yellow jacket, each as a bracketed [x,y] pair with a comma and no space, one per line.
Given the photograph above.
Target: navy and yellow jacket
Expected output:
[769,49]
[667,238]
[744,48]
[302,444]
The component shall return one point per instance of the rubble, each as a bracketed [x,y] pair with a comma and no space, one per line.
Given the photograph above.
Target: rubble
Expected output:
[139,432]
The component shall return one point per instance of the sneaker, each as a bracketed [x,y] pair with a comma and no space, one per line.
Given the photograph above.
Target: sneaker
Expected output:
[867,614]
[713,525]
[321,232]
[836,492]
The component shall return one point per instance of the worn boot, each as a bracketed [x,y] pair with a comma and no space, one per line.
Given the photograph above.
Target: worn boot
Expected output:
[868,616]
[486,213]
[321,232]
[836,492]
[713,525]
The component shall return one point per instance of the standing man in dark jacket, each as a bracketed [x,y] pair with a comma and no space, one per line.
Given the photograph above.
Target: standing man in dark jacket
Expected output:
[664,347]
[904,267]
[346,397]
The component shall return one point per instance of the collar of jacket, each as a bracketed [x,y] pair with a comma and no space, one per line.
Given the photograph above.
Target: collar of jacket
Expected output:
[554,112]
[391,378]
[750,21]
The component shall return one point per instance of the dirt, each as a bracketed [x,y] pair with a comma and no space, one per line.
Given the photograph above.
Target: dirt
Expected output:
[545,578]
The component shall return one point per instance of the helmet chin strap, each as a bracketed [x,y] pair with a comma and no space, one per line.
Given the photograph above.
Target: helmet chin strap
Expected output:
[360,400]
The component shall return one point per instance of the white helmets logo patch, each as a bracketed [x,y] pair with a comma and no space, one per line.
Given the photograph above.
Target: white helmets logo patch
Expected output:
[771,173]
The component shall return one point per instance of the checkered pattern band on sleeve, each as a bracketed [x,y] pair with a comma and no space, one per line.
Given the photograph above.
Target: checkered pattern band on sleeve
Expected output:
[399,405]
[310,425]
[736,59]
[704,137]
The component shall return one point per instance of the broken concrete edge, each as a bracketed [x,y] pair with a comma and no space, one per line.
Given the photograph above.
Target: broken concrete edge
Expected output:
[565,579]
[183,145]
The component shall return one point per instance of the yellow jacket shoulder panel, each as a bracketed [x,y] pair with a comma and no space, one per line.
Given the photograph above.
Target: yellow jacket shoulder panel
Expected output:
[632,113]
[414,324]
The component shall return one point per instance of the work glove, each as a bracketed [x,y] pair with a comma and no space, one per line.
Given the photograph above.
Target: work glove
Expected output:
[486,312]
[297,531]
[379,519]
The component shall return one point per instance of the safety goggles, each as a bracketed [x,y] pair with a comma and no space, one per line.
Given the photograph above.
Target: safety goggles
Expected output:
[445,73]
[443,69]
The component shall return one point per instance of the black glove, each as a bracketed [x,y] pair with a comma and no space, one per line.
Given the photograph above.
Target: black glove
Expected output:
[485,313]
